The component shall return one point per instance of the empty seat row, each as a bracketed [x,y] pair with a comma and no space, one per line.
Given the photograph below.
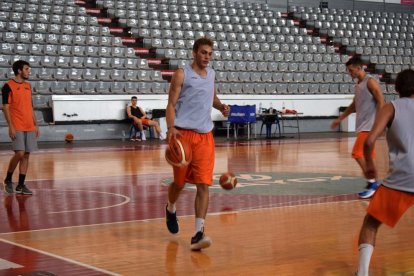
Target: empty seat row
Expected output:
[231,41]
[369,42]
[283,88]
[195,14]
[76,62]
[371,34]
[302,47]
[362,27]
[87,74]
[264,47]
[52,28]
[60,39]
[382,59]
[393,69]
[362,13]
[399,53]
[264,66]
[48,18]
[274,34]
[278,56]
[272,26]
[98,87]
[391,60]
[287,77]
[345,19]
[157,18]
[55,7]
[173,5]
[65,50]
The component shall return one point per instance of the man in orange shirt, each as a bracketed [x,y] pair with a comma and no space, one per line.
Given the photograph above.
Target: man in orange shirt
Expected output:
[23,130]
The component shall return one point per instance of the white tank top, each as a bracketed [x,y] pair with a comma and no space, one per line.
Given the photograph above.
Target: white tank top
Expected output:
[194,105]
[400,138]
[365,106]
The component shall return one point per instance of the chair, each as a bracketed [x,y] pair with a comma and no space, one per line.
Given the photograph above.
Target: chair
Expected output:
[41,87]
[134,130]
[73,87]
[102,87]
[88,87]
[58,87]
[117,87]
[269,118]
[131,87]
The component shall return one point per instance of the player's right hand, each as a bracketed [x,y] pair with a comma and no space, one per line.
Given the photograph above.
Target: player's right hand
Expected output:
[173,133]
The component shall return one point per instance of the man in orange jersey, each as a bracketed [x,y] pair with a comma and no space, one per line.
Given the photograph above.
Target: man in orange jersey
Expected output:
[23,130]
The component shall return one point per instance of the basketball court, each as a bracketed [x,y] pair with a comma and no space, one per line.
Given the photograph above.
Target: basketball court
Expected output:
[98,209]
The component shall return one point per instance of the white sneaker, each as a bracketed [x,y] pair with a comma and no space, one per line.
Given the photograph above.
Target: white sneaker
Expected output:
[162,137]
[200,241]
[143,136]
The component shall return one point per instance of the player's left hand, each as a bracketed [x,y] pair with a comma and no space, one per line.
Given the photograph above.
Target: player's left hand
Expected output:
[370,171]
[37,132]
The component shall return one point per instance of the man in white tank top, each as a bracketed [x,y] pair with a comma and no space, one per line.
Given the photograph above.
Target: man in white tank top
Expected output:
[367,101]
[396,194]
[191,98]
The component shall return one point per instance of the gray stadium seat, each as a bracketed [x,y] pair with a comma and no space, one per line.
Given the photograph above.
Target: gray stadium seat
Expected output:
[58,87]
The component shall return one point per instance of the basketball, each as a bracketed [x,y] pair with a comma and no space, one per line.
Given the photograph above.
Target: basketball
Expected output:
[68,137]
[178,153]
[228,181]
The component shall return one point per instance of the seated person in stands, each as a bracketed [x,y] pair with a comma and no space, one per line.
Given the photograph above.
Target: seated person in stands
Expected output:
[139,119]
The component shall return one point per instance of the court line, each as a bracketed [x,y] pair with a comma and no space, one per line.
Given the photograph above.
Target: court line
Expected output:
[60,258]
[290,204]
[127,199]
[158,146]
[99,176]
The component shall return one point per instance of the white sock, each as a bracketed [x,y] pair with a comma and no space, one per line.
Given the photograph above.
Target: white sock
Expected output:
[171,207]
[372,180]
[199,224]
[365,253]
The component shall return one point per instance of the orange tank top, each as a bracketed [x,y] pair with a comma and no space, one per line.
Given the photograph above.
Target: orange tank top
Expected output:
[21,106]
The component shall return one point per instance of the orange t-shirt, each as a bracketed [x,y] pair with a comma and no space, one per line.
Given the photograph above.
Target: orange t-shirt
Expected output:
[19,98]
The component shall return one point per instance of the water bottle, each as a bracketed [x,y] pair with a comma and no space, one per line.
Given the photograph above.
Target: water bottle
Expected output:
[283,107]
[271,108]
[260,108]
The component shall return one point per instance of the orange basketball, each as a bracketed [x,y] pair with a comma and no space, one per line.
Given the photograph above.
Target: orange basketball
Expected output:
[178,153]
[228,181]
[69,137]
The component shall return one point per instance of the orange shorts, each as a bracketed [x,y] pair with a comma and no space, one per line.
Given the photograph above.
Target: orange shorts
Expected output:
[145,122]
[388,205]
[200,169]
[358,150]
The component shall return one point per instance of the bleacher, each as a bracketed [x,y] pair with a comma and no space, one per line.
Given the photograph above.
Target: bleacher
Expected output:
[130,47]
[257,50]
[69,52]
[383,39]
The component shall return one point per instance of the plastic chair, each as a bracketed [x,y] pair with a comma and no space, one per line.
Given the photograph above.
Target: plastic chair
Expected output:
[134,130]
[269,119]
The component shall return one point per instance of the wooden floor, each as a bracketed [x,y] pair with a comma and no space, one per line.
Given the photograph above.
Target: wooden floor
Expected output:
[98,209]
